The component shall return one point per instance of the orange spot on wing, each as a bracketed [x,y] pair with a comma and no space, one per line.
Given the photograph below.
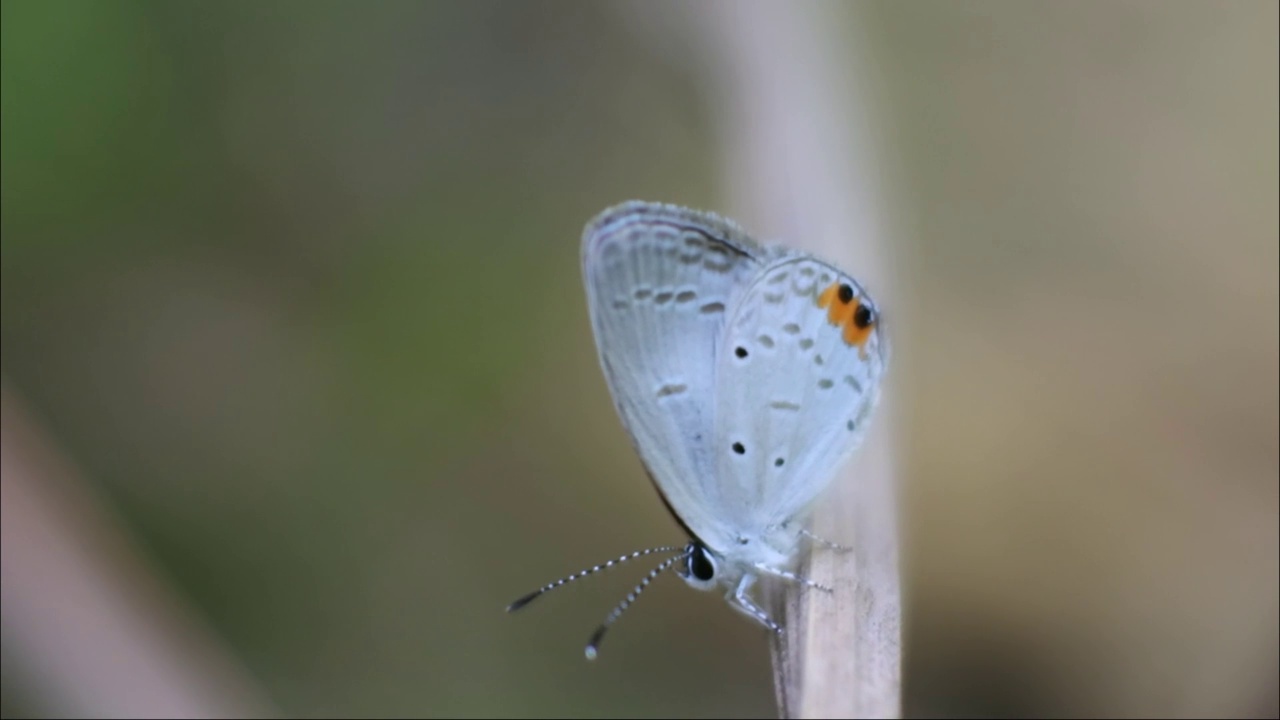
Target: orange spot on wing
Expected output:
[838,313]
[841,315]
[857,336]
[828,296]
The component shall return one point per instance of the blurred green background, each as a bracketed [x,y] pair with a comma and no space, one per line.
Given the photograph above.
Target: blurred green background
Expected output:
[294,287]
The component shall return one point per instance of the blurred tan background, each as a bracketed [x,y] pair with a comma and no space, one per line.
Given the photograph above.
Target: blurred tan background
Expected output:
[297,366]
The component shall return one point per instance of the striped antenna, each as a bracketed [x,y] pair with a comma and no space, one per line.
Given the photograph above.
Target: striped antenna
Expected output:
[593,646]
[590,571]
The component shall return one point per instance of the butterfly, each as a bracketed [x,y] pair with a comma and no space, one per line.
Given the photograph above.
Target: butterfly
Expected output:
[745,374]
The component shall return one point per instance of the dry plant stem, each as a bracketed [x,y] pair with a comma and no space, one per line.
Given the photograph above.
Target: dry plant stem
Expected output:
[87,627]
[799,169]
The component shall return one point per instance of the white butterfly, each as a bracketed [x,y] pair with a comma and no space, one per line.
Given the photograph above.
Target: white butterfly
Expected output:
[745,374]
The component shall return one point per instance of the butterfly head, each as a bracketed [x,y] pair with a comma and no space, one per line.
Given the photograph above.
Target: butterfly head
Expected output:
[700,568]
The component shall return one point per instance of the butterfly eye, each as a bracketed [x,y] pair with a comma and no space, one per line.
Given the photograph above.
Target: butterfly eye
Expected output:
[701,566]
[699,569]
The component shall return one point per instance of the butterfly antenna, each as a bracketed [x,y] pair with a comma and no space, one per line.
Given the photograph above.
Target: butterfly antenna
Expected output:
[594,645]
[589,571]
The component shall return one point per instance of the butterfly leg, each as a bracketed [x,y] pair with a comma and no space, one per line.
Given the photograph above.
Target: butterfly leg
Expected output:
[739,600]
[793,577]
[823,541]
[820,540]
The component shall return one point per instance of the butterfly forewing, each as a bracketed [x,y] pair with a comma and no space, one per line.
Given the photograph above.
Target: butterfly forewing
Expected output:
[660,280]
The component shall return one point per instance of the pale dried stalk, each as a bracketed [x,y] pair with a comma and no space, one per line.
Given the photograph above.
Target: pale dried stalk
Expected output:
[799,169]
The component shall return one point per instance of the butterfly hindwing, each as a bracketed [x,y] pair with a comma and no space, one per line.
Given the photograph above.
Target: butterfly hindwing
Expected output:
[796,381]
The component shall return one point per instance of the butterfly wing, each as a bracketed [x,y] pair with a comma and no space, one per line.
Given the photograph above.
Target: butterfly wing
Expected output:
[659,280]
[797,380]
